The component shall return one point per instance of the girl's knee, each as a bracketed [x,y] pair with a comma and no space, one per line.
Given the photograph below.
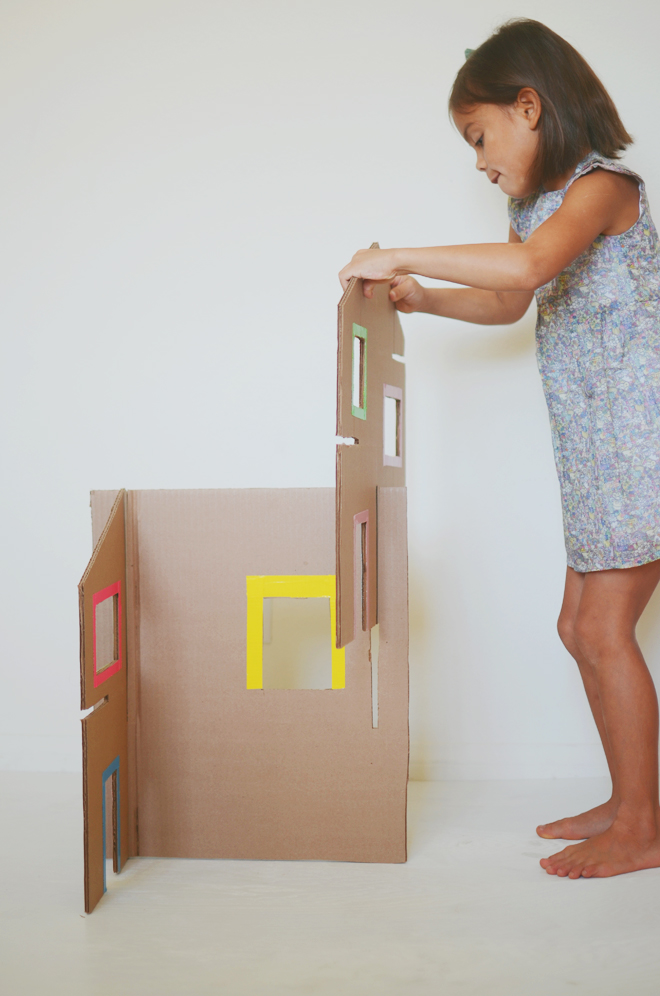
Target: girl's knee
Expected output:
[566,630]
[593,640]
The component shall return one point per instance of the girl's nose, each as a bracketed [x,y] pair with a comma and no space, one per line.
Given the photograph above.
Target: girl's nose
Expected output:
[481,164]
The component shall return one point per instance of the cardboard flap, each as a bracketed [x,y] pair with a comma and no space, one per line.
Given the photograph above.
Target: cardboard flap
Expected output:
[103,666]
[369,335]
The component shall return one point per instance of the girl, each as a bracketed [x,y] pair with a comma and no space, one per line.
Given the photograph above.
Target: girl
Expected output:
[582,240]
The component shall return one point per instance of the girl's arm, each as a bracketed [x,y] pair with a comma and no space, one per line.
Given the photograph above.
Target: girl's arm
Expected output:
[482,307]
[593,205]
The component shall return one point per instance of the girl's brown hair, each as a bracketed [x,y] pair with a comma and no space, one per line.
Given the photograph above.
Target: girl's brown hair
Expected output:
[577,114]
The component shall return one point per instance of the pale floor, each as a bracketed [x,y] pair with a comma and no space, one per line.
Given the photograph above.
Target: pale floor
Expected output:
[470,913]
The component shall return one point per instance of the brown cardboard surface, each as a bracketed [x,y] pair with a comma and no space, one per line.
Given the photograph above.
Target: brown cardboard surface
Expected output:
[360,468]
[101,503]
[223,771]
[104,730]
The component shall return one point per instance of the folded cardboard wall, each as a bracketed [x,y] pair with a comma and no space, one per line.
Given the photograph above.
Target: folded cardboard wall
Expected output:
[228,771]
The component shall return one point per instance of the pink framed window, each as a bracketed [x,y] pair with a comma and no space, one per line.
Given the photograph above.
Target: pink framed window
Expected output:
[361,571]
[392,426]
[108,656]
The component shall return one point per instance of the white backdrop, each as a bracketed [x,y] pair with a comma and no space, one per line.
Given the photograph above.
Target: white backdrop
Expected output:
[180,181]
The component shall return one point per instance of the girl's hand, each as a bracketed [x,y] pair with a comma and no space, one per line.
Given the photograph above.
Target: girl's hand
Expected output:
[407,294]
[372,265]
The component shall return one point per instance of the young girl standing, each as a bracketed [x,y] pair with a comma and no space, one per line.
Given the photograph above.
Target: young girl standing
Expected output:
[582,240]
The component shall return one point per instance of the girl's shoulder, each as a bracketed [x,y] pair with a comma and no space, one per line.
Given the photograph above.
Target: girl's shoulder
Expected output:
[595,161]
[526,214]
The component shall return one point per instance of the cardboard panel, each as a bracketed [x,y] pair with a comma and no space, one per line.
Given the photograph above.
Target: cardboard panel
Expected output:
[104,730]
[361,467]
[102,503]
[230,772]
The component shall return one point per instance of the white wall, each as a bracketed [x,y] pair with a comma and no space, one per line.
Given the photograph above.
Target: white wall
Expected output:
[179,184]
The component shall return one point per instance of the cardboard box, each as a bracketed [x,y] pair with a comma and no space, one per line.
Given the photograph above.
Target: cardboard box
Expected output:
[188,752]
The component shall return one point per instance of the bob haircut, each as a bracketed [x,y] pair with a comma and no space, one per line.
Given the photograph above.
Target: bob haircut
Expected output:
[577,113]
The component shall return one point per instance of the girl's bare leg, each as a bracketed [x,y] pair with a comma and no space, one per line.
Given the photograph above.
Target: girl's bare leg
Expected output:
[610,605]
[601,817]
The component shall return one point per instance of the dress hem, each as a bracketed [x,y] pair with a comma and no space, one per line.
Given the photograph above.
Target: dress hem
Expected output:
[638,562]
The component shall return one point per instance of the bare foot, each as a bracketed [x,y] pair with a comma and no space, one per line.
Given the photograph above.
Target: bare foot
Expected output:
[614,852]
[589,824]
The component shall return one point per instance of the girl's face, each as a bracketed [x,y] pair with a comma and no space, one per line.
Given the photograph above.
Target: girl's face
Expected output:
[505,140]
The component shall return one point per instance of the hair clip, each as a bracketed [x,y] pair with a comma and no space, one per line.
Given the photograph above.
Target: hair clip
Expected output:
[468,53]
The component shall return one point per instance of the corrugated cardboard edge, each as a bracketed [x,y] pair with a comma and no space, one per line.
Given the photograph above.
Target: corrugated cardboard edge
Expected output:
[133,667]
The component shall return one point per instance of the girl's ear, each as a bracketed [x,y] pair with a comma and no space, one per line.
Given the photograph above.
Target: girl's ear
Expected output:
[528,105]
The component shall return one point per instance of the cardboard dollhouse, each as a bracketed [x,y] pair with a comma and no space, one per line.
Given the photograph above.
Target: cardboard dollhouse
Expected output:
[209,736]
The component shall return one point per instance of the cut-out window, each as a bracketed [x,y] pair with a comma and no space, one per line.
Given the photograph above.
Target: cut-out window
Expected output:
[291,623]
[111,817]
[297,643]
[359,391]
[361,571]
[107,633]
[392,426]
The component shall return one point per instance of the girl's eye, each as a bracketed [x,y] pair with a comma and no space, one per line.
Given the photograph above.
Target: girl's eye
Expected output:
[480,141]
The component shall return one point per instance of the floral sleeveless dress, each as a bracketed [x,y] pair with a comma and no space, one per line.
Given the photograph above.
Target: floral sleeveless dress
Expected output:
[598,350]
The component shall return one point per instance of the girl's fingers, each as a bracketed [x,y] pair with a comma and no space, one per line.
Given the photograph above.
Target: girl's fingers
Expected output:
[401,287]
[373,265]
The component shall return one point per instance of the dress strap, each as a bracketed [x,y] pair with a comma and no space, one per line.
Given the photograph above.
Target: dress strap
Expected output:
[597,161]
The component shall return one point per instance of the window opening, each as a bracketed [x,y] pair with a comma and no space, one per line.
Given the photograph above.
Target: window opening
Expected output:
[107,632]
[110,817]
[359,384]
[392,426]
[291,622]
[361,571]
[297,643]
